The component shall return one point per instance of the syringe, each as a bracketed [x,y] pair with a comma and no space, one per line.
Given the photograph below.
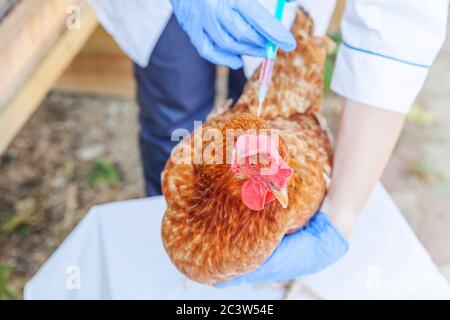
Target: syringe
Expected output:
[268,63]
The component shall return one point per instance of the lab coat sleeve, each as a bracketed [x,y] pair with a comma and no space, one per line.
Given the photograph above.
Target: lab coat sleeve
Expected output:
[387,50]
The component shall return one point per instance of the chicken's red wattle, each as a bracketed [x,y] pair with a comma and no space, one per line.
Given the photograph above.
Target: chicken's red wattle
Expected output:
[256,191]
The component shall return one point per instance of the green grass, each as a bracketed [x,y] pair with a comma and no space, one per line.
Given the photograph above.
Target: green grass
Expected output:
[330,62]
[422,117]
[425,173]
[18,220]
[6,291]
[104,172]
[69,171]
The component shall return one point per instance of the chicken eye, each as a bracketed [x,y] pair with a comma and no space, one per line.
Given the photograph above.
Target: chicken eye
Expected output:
[253,161]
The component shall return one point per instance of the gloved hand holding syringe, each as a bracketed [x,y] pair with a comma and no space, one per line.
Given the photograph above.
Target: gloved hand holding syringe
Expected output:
[268,63]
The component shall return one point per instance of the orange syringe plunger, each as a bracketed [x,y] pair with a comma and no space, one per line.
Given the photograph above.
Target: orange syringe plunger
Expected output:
[265,75]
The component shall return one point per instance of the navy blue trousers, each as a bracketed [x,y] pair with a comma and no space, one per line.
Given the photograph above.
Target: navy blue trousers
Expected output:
[174,90]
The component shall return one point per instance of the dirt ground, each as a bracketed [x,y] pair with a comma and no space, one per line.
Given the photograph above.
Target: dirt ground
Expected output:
[78,151]
[74,153]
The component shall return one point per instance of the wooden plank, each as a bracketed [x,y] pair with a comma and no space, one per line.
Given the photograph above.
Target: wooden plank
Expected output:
[25,35]
[99,74]
[31,93]
[102,42]
[101,68]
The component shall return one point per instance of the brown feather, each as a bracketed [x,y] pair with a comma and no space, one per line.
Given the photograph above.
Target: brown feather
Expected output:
[209,234]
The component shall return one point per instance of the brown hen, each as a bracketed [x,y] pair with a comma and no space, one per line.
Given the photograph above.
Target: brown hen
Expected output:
[214,230]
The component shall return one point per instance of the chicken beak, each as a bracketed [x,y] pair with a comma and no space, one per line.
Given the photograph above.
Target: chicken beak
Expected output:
[280,194]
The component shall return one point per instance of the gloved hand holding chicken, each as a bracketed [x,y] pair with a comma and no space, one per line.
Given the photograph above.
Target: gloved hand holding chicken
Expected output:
[307,251]
[242,192]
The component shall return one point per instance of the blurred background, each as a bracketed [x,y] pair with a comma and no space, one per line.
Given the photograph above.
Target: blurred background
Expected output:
[68,135]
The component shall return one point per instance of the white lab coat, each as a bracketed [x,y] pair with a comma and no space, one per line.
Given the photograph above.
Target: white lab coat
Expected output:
[384,60]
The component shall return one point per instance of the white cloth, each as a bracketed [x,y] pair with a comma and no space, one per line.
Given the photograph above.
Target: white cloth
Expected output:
[388,45]
[116,252]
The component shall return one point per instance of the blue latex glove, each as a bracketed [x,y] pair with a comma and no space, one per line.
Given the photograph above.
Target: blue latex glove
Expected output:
[223,30]
[309,250]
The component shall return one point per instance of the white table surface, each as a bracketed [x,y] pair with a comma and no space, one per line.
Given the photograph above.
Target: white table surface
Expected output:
[116,252]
